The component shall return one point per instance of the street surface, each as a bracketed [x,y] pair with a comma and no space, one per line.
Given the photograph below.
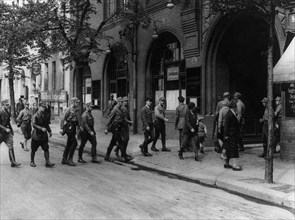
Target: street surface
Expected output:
[113,191]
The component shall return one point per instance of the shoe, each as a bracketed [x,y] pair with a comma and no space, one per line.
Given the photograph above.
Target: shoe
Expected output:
[147,154]
[227,166]
[198,159]
[71,163]
[26,149]
[154,149]
[49,164]
[94,160]
[141,148]
[108,159]
[166,149]
[32,164]
[64,161]
[80,160]
[22,145]
[237,168]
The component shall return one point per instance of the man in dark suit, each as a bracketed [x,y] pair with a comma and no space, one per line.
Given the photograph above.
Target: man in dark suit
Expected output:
[147,126]
[190,132]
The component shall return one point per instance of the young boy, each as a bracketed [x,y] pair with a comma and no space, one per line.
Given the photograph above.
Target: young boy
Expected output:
[202,133]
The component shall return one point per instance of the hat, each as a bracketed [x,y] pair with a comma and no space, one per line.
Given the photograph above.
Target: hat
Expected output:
[191,105]
[162,99]
[148,99]
[42,104]
[75,99]
[120,99]
[89,104]
[264,100]
[237,94]
[180,98]
[226,94]
[125,98]
[278,98]
[5,102]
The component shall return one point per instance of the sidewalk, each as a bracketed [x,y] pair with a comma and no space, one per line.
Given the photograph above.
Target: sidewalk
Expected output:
[249,181]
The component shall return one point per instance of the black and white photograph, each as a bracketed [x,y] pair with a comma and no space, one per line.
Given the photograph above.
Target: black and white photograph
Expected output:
[147,109]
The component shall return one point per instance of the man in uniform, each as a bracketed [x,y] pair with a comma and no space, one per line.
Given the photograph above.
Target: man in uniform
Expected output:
[241,119]
[19,106]
[73,119]
[277,122]
[147,126]
[6,132]
[88,134]
[180,112]
[24,120]
[115,124]
[159,124]
[40,136]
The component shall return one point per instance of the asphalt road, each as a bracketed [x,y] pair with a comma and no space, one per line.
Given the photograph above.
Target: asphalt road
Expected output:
[113,191]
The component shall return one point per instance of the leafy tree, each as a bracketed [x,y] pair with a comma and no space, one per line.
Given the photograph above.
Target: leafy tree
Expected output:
[19,27]
[267,7]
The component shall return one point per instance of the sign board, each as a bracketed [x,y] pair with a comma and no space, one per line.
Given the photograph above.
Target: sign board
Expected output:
[172,73]
[290,99]
[36,69]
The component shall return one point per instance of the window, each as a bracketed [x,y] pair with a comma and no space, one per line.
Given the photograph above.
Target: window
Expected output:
[96,94]
[111,7]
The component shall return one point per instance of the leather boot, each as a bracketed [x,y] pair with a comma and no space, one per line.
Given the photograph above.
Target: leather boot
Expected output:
[48,163]
[71,162]
[12,158]
[180,154]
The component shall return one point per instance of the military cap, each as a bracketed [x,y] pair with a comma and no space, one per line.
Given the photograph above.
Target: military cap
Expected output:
[120,99]
[162,99]
[148,99]
[125,98]
[75,99]
[89,104]
[181,98]
[5,102]
[278,98]
[237,94]
[264,100]
[42,104]
[226,94]
[191,105]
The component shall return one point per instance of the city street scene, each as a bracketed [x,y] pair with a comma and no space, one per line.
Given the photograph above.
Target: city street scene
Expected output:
[147,109]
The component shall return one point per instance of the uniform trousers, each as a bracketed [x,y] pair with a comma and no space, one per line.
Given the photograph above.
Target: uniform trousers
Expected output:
[117,137]
[70,147]
[148,137]
[160,129]
[92,139]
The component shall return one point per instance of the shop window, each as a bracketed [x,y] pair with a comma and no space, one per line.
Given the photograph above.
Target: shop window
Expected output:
[193,88]
[96,94]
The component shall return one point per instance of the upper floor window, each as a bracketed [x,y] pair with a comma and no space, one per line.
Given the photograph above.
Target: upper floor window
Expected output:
[112,6]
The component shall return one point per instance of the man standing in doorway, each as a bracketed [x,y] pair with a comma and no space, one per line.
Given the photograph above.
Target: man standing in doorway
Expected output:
[160,127]
[147,126]
[72,119]
[6,132]
[241,119]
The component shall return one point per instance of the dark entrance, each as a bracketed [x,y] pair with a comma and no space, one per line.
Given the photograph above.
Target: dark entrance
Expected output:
[241,65]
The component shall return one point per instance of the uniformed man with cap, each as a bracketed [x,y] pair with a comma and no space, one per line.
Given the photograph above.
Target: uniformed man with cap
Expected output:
[68,124]
[159,124]
[241,119]
[6,132]
[24,120]
[180,113]
[88,134]
[264,120]
[40,136]
[114,124]
[277,122]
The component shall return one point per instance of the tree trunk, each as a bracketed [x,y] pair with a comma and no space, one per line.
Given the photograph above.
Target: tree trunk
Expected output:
[11,94]
[79,84]
[270,139]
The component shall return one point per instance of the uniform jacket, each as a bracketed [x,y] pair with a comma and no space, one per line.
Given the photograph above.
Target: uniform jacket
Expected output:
[5,121]
[71,115]
[221,117]
[39,121]
[88,122]
[231,125]
[180,113]
[160,113]
[116,118]
[190,122]
[25,116]
[19,106]
[146,117]
[240,110]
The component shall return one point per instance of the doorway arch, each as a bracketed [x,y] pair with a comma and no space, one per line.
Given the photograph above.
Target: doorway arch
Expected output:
[236,61]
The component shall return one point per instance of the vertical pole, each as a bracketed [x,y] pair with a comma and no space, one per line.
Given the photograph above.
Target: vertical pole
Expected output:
[134,55]
[270,137]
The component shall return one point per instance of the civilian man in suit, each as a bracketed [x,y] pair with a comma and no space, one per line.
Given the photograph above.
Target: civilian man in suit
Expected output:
[40,136]
[147,126]
[190,132]
[180,113]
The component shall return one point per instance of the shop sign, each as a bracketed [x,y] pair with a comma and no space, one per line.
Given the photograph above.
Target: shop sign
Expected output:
[172,73]
[45,96]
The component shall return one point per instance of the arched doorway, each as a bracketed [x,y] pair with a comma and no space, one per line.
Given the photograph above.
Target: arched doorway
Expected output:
[236,60]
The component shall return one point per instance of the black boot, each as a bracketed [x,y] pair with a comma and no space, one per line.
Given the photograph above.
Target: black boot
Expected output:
[12,158]
[107,157]
[180,154]
[48,163]
[32,164]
